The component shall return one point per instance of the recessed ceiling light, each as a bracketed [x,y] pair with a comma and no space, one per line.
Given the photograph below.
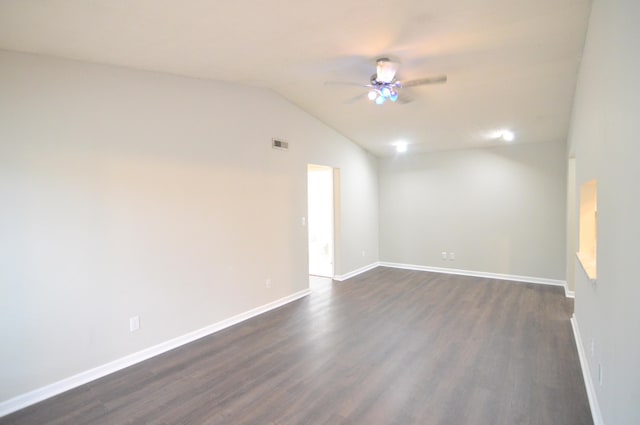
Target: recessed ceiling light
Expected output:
[503,133]
[508,135]
[401,146]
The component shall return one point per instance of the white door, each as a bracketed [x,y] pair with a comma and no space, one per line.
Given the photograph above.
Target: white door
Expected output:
[320,220]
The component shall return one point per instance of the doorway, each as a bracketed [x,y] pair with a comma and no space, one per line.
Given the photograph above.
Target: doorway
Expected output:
[320,213]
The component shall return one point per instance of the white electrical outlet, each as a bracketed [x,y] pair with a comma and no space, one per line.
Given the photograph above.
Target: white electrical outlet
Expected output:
[452,256]
[303,220]
[267,284]
[363,253]
[443,254]
[134,323]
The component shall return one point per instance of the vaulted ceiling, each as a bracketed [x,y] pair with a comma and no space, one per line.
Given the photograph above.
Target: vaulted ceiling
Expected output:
[511,64]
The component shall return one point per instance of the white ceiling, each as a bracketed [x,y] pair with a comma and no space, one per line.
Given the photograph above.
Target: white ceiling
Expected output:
[510,63]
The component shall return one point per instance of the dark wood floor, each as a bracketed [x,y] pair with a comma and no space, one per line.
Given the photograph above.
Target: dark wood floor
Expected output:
[387,347]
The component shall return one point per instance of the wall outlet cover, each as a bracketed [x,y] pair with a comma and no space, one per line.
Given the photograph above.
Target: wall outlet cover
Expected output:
[134,323]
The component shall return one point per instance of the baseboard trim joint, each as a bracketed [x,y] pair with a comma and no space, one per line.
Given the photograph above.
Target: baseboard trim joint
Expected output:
[356,272]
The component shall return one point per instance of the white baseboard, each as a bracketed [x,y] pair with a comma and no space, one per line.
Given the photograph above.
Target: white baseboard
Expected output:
[341,277]
[586,375]
[37,395]
[515,278]
[511,277]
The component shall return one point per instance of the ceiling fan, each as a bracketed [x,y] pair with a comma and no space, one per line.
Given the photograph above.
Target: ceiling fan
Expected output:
[383,85]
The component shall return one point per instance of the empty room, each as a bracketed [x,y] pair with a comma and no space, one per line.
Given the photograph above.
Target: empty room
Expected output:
[346,212]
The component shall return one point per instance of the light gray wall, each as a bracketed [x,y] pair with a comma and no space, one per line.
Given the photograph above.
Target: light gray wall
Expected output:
[135,193]
[605,139]
[501,210]
[572,213]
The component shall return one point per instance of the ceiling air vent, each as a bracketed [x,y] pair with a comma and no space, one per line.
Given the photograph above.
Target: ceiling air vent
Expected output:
[279,144]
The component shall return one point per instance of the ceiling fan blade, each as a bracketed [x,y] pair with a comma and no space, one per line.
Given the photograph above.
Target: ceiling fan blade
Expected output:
[404,99]
[356,98]
[422,81]
[345,83]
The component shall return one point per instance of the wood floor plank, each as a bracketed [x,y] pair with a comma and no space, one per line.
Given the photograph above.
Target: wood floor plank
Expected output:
[386,347]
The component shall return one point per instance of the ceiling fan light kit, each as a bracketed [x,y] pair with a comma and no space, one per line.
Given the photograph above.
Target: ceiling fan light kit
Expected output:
[383,83]
[380,96]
